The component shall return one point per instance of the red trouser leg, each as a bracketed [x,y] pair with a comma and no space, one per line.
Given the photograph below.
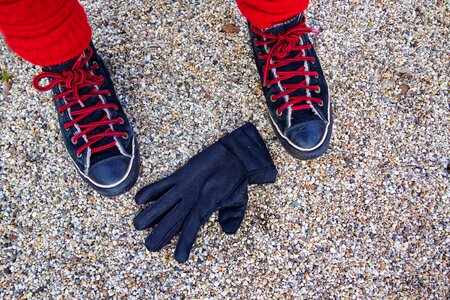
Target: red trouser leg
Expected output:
[45,32]
[266,13]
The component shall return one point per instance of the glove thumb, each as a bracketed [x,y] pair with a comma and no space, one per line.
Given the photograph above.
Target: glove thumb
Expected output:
[231,216]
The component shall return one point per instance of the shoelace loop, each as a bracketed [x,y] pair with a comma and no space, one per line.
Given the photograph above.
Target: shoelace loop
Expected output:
[281,45]
[72,81]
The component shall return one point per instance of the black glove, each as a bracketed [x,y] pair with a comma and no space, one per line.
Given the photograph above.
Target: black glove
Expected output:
[215,179]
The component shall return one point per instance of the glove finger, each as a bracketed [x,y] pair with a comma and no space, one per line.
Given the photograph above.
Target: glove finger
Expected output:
[155,212]
[169,226]
[230,219]
[231,216]
[187,238]
[153,191]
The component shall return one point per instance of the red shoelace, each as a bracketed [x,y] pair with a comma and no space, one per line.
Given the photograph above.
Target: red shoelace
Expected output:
[281,45]
[72,81]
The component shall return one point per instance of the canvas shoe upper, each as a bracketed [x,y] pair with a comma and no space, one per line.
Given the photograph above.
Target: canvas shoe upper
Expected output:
[94,127]
[294,87]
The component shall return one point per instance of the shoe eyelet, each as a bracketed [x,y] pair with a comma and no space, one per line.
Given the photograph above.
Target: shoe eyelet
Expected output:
[79,155]
[316,76]
[121,121]
[95,63]
[273,100]
[73,142]
[268,85]
[109,94]
[321,104]
[317,90]
[126,136]
[279,113]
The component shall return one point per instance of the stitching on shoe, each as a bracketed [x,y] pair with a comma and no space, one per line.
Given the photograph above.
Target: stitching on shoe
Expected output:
[86,162]
[108,113]
[308,80]
[286,97]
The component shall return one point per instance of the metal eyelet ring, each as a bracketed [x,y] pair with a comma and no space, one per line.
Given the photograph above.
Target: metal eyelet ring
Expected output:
[79,155]
[279,113]
[268,85]
[121,121]
[318,90]
[321,104]
[273,100]
[73,142]
[316,76]
[126,136]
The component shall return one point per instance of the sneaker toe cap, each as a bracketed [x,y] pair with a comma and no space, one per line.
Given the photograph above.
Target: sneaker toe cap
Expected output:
[110,171]
[307,135]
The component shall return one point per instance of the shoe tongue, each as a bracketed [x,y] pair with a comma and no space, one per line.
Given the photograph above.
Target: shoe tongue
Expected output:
[303,115]
[93,117]
[280,27]
[62,67]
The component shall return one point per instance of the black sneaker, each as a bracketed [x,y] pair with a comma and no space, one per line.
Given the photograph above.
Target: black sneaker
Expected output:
[294,87]
[94,127]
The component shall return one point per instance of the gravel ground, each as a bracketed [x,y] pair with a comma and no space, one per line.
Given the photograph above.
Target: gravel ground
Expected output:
[370,219]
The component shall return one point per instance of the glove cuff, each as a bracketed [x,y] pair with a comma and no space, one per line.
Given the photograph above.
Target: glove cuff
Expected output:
[248,146]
